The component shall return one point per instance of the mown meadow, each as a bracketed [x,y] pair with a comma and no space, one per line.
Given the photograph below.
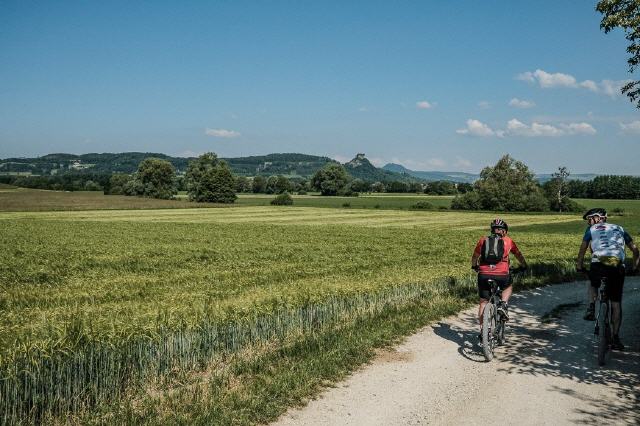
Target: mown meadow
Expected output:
[229,315]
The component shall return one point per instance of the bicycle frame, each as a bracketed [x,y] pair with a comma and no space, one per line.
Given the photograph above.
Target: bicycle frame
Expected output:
[493,324]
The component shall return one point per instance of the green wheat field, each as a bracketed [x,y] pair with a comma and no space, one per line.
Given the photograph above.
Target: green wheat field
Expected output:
[154,315]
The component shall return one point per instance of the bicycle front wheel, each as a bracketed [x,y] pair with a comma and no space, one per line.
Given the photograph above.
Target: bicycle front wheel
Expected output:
[488,330]
[604,333]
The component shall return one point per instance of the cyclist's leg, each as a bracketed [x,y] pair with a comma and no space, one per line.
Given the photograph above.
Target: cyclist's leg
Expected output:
[592,290]
[484,292]
[615,285]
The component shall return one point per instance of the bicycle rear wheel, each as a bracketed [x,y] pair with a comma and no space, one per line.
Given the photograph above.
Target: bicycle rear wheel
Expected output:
[604,333]
[488,330]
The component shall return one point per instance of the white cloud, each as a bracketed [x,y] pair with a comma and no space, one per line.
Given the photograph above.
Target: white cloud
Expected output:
[221,133]
[363,109]
[425,105]
[484,105]
[579,129]
[476,128]
[550,80]
[519,103]
[341,158]
[378,162]
[632,128]
[518,128]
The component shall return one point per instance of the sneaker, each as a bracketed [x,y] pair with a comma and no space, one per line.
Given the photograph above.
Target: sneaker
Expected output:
[616,344]
[590,315]
[503,309]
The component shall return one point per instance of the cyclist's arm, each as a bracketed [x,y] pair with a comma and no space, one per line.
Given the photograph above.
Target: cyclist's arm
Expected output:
[636,254]
[518,254]
[476,254]
[581,252]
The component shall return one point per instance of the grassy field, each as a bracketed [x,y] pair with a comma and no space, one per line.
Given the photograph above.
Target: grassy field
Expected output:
[229,315]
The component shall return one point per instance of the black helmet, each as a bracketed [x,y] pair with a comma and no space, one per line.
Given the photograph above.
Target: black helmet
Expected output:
[498,223]
[595,212]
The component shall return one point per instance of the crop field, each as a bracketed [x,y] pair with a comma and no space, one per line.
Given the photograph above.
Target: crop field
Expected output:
[229,315]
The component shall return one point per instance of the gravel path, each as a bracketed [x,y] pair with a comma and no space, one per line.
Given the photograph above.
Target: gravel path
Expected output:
[547,372]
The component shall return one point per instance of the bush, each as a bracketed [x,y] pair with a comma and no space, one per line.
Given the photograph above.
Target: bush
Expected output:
[422,205]
[468,201]
[302,192]
[347,204]
[377,206]
[283,199]
[443,208]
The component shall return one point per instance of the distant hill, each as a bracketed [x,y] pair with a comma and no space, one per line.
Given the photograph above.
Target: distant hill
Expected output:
[288,164]
[470,177]
[127,162]
[361,168]
[433,176]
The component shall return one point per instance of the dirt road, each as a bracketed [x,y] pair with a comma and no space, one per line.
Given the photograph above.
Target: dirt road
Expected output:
[547,372]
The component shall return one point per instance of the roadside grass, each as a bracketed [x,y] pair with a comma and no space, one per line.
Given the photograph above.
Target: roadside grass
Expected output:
[228,315]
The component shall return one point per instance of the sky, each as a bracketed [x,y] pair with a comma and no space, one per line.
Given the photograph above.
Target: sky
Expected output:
[432,85]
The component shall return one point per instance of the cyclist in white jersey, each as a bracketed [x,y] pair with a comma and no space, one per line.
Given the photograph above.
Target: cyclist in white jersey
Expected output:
[607,242]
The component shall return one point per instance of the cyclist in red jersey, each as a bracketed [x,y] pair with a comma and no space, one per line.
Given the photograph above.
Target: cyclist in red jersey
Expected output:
[495,269]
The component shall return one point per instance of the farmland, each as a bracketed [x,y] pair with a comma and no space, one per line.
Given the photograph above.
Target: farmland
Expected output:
[210,314]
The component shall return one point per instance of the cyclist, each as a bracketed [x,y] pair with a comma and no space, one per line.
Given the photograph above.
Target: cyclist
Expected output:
[607,242]
[491,260]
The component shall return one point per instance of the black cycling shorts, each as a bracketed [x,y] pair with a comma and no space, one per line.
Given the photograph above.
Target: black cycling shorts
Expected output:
[615,279]
[484,288]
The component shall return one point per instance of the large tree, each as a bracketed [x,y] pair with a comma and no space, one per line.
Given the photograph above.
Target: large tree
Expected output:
[332,179]
[508,186]
[625,14]
[209,179]
[155,178]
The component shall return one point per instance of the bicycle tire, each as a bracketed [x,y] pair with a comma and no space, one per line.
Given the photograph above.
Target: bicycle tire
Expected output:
[501,326]
[604,334]
[488,328]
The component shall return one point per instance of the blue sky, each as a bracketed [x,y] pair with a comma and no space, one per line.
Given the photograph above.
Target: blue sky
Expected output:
[431,85]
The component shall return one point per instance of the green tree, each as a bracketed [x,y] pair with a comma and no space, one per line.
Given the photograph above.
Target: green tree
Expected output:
[557,191]
[377,187]
[209,179]
[397,186]
[258,185]
[625,14]
[155,178]
[331,179]
[117,183]
[243,184]
[508,186]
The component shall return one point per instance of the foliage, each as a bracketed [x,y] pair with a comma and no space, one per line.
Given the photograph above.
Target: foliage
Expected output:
[332,179]
[377,187]
[155,178]
[278,185]
[117,183]
[441,187]
[243,184]
[209,179]
[259,185]
[625,14]
[358,185]
[508,186]
[556,191]
[606,186]
[283,199]
[396,186]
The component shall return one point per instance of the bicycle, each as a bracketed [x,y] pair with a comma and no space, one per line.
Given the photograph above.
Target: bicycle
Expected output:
[493,323]
[603,322]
